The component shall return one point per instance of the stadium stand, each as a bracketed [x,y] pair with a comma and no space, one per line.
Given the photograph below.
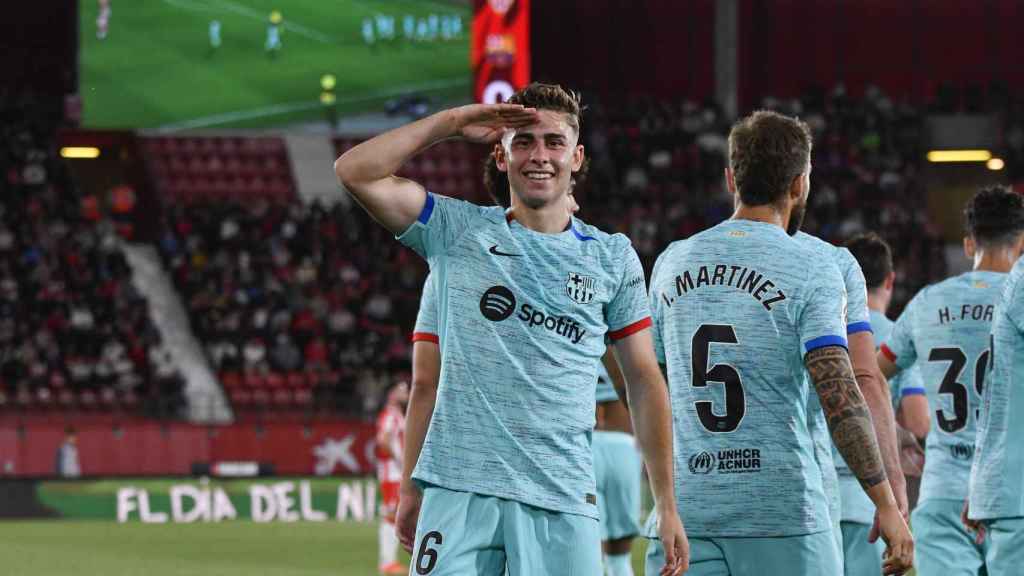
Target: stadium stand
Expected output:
[75,335]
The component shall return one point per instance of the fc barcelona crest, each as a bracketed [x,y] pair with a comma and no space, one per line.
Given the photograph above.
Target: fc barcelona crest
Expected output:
[581,289]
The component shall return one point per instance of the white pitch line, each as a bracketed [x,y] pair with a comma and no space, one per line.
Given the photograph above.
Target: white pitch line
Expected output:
[193,5]
[251,113]
[242,10]
[288,24]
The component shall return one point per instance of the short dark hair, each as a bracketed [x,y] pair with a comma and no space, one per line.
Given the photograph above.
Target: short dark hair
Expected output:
[994,216]
[767,150]
[874,256]
[542,97]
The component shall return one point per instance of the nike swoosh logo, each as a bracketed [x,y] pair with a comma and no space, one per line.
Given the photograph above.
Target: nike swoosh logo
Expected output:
[494,250]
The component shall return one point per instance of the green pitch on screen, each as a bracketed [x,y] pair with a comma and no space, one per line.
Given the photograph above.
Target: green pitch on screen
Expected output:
[157,66]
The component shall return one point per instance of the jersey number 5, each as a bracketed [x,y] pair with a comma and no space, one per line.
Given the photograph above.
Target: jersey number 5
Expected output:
[735,403]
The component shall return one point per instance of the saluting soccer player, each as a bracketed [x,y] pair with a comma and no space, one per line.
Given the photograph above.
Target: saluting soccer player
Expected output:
[525,301]
[945,331]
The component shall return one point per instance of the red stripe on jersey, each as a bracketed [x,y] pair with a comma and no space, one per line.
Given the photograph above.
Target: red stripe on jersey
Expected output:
[425,337]
[888,353]
[631,329]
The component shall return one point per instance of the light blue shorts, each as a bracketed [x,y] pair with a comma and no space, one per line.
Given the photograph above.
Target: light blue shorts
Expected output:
[942,546]
[618,470]
[860,557]
[1004,555]
[466,534]
[811,554]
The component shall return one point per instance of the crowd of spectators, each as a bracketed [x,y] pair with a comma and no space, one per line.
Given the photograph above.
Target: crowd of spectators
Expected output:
[277,287]
[74,332]
[657,175]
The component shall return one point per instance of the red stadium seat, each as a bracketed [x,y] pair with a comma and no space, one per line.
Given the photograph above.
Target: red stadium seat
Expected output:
[275,380]
[261,397]
[87,399]
[282,397]
[303,398]
[230,379]
[240,397]
[66,399]
[254,380]
[297,380]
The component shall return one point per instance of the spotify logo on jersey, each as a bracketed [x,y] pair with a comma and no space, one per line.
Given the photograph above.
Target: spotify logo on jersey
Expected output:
[497,303]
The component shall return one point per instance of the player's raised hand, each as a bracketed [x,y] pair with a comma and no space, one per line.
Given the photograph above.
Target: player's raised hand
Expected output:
[674,541]
[899,550]
[409,500]
[485,123]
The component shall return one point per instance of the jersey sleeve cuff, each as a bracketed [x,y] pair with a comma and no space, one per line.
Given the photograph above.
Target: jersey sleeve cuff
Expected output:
[916,391]
[887,352]
[406,237]
[823,341]
[630,329]
[856,327]
[425,337]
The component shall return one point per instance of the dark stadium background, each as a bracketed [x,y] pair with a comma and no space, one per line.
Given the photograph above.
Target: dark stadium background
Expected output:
[216,213]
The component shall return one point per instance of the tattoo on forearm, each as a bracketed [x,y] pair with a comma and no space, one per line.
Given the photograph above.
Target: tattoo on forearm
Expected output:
[846,412]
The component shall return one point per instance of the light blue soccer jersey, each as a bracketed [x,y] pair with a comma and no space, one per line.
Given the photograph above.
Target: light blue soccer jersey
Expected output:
[835,474]
[522,322]
[945,330]
[997,476]
[605,389]
[735,309]
[426,318]
[907,382]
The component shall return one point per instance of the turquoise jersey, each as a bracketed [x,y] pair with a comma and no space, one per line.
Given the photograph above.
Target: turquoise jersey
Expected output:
[997,476]
[735,309]
[945,331]
[522,322]
[906,382]
[426,318]
[832,464]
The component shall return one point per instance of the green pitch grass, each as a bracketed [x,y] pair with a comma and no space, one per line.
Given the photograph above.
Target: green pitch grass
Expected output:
[84,548]
[156,68]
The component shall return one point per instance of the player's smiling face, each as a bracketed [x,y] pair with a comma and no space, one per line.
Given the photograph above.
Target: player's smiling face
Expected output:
[541,158]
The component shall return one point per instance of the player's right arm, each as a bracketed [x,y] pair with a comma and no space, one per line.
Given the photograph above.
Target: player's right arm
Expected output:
[853,433]
[874,388]
[368,169]
[914,415]
[426,371]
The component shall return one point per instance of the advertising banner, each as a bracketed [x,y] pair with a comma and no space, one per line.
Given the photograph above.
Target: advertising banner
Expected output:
[172,449]
[159,501]
[500,50]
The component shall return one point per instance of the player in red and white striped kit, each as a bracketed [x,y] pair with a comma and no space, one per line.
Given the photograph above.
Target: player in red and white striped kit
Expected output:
[390,444]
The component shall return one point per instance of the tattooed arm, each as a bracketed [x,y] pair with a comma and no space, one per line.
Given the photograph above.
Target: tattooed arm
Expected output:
[853,433]
[847,413]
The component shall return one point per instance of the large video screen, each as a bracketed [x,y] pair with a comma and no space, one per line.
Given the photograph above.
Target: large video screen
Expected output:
[205,64]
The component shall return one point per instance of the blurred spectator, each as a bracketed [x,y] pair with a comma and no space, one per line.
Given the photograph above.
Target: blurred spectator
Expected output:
[67,464]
